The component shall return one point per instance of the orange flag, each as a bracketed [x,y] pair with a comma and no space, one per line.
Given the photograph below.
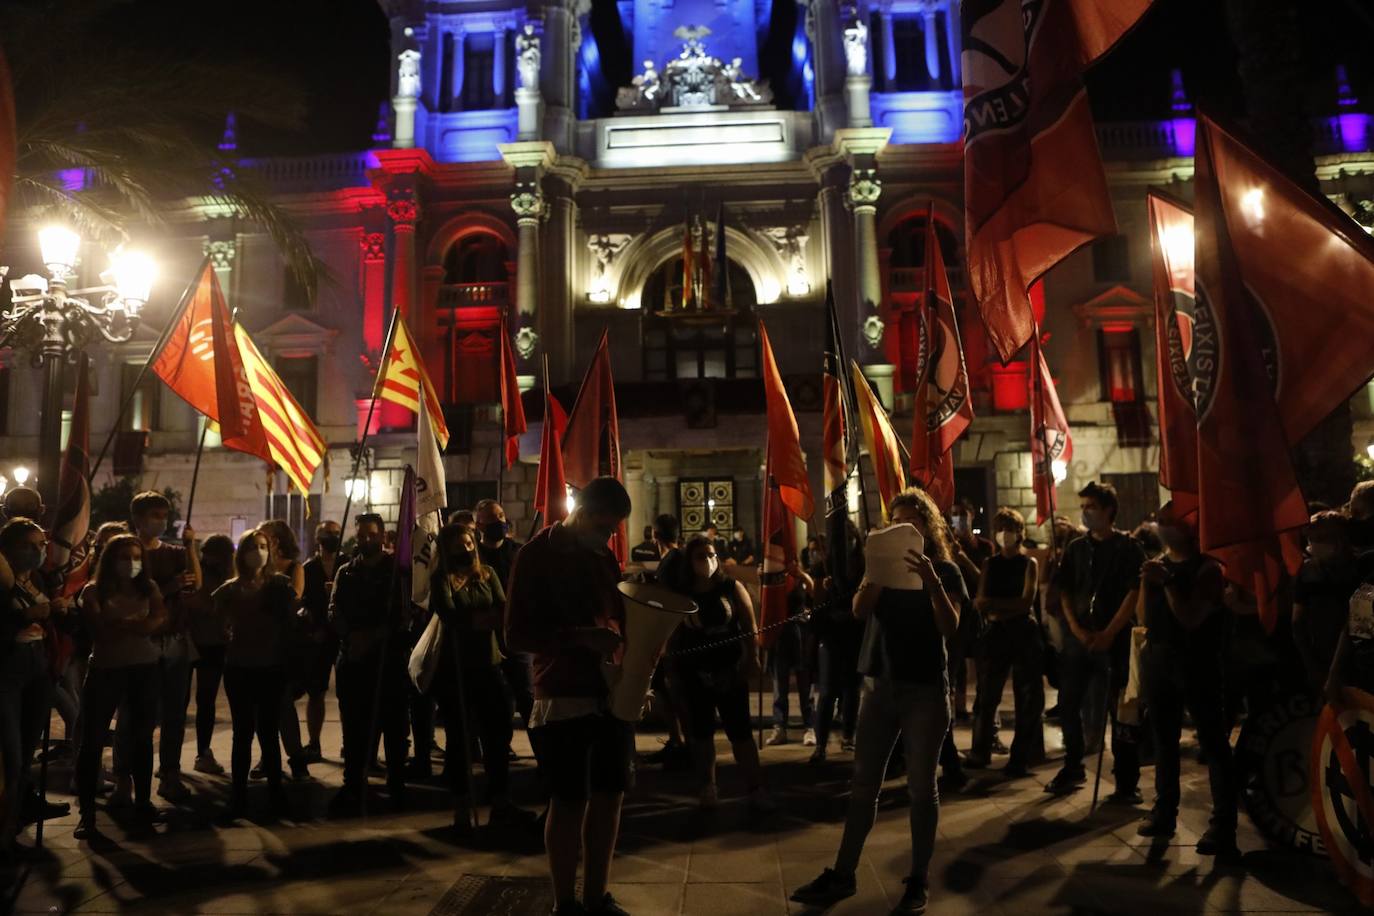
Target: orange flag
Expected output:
[1172,244]
[784,442]
[591,442]
[551,486]
[879,438]
[1051,443]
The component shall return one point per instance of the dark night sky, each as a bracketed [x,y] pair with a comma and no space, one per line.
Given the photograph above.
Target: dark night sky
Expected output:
[336,52]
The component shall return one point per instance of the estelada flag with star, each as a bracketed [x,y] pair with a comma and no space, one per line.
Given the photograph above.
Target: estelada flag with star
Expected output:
[1034,187]
[402,379]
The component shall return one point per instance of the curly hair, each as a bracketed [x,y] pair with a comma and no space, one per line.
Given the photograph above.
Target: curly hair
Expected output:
[937,531]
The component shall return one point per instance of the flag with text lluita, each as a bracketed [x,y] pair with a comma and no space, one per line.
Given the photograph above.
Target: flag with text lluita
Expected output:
[1034,188]
[1172,247]
[591,440]
[431,498]
[1051,444]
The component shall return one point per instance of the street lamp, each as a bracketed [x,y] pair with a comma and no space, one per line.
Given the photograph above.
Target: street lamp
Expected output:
[21,475]
[54,324]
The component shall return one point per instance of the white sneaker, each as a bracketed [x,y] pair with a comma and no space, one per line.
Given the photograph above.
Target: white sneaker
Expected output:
[123,794]
[776,736]
[762,801]
[206,763]
[809,739]
[710,797]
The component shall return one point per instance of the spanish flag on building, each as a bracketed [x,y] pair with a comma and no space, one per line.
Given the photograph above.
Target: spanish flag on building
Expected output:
[402,377]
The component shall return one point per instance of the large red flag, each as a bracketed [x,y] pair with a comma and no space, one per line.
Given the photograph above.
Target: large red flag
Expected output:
[778,554]
[943,406]
[591,442]
[551,486]
[201,363]
[1051,444]
[512,408]
[1248,495]
[788,467]
[1171,240]
[1034,188]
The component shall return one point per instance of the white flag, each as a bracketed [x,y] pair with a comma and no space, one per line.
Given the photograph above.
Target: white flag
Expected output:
[431,499]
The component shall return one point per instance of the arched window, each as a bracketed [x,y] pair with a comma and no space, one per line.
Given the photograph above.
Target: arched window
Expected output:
[716,340]
[476,258]
[474,295]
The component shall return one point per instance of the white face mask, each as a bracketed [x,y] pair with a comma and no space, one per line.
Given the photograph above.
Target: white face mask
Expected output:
[1008,538]
[707,568]
[253,559]
[130,569]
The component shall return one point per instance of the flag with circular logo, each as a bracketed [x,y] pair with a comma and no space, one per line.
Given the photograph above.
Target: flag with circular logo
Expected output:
[1342,750]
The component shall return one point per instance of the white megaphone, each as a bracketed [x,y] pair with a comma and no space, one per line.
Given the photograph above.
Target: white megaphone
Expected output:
[652,613]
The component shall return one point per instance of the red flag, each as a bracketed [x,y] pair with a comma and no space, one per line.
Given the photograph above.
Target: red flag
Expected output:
[943,406]
[1034,188]
[512,408]
[551,487]
[73,515]
[1051,444]
[1171,240]
[833,423]
[787,466]
[879,438]
[779,552]
[688,296]
[591,442]
[201,363]
[708,284]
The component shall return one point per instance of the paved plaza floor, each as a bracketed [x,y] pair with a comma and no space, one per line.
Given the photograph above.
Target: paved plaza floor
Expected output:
[1003,847]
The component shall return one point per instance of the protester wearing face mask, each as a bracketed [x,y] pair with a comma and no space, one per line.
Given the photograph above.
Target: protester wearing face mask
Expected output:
[258,604]
[1362,517]
[1321,593]
[210,636]
[716,680]
[497,550]
[366,611]
[1181,605]
[564,609]
[123,607]
[322,645]
[1007,588]
[969,552]
[470,601]
[1098,578]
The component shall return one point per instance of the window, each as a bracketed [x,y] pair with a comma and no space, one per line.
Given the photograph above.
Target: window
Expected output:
[703,502]
[300,375]
[476,258]
[293,294]
[1112,259]
[446,74]
[909,40]
[1119,362]
[301,513]
[479,84]
[143,406]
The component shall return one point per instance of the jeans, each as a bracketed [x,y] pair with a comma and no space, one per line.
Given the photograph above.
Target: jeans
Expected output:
[788,656]
[25,701]
[209,670]
[134,689]
[920,714]
[839,682]
[356,684]
[1011,646]
[254,709]
[173,678]
[484,691]
[1084,688]
[1198,684]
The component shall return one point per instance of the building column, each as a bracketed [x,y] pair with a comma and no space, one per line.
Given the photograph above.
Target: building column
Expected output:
[529,160]
[823,28]
[460,39]
[407,98]
[860,149]
[402,213]
[640,512]
[889,50]
[557,78]
[932,44]
[666,502]
[372,289]
[498,65]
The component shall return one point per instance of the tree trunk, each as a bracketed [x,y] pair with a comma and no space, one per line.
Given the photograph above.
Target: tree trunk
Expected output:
[1267,37]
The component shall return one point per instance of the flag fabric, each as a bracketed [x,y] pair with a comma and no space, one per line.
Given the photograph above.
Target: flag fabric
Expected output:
[72,518]
[838,429]
[778,554]
[784,441]
[402,379]
[704,268]
[1034,187]
[943,406]
[879,438]
[293,442]
[431,498]
[405,522]
[721,293]
[688,270]
[1172,247]
[551,486]
[1051,442]
[512,407]
[591,439]
[202,364]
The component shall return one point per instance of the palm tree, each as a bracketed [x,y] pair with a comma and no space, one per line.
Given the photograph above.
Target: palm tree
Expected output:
[136,124]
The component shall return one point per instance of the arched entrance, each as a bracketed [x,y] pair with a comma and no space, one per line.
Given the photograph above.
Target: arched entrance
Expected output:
[718,341]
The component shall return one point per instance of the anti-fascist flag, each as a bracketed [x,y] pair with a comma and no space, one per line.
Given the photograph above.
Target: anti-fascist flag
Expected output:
[293,442]
[1050,440]
[1034,188]
[551,486]
[402,379]
[943,407]
[591,439]
[787,466]
[879,438]
[1171,241]
[838,427]
[512,408]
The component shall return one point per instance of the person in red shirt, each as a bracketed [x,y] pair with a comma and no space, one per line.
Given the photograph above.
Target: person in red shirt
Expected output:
[564,609]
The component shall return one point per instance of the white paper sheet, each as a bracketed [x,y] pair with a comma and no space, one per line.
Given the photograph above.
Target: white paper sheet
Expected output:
[885,557]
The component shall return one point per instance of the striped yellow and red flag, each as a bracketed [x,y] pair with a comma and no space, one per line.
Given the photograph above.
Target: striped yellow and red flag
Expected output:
[879,438]
[294,442]
[402,377]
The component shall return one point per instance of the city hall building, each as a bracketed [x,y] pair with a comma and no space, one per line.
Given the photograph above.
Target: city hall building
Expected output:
[753,155]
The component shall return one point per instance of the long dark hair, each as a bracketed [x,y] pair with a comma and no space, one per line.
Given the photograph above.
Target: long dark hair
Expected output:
[107,580]
[280,532]
[684,575]
[452,533]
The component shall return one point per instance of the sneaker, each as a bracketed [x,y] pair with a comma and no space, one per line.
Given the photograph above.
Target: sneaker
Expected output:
[1125,797]
[1015,771]
[830,887]
[257,772]
[85,827]
[123,794]
[1156,824]
[914,899]
[847,743]
[207,764]
[662,754]
[172,788]
[777,736]
[311,754]
[606,907]
[809,738]
[35,807]
[1066,782]
[300,769]
[952,781]
[817,757]
[998,747]
[1219,842]
[761,801]
[709,797]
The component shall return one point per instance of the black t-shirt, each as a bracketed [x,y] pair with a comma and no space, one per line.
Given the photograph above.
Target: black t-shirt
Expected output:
[500,559]
[1006,576]
[1097,575]
[1198,576]
[716,619]
[646,552]
[316,597]
[901,641]
[1324,594]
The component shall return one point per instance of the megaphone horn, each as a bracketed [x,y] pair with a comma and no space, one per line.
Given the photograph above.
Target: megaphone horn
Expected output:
[652,613]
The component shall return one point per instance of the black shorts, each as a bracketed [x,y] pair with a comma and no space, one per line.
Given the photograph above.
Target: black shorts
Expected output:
[711,691]
[588,754]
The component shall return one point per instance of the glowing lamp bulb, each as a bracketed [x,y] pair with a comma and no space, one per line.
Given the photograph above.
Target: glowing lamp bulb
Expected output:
[58,245]
[1369,449]
[356,488]
[1060,469]
[134,272]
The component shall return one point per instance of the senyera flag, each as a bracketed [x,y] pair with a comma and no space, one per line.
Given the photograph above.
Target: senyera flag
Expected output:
[1051,443]
[72,519]
[402,379]
[200,361]
[879,438]
[1034,188]
[512,408]
[943,406]
[293,442]
[591,438]
[1171,244]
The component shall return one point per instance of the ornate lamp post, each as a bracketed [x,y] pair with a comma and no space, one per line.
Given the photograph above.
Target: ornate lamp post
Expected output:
[53,324]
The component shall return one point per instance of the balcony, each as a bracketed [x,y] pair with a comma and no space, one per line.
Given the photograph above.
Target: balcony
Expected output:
[474,295]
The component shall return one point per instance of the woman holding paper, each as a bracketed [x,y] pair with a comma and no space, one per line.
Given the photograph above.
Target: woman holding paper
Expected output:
[908,621]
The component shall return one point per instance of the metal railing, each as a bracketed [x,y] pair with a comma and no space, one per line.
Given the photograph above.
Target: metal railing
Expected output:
[468,295]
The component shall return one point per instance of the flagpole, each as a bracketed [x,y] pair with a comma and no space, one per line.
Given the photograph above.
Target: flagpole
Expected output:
[367,423]
[143,371]
[195,472]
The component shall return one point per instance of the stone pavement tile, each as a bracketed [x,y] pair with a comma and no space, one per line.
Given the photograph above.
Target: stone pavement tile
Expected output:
[650,898]
[759,866]
[412,898]
[1048,891]
[45,891]
[962,867]
[652,865]
[734,899]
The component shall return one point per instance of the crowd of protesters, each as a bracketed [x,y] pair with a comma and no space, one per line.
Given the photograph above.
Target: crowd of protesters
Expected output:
[143,626]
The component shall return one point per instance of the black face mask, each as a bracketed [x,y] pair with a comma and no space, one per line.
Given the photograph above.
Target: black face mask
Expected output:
[495,531]
[460,559]
[330,543]
[370,549]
